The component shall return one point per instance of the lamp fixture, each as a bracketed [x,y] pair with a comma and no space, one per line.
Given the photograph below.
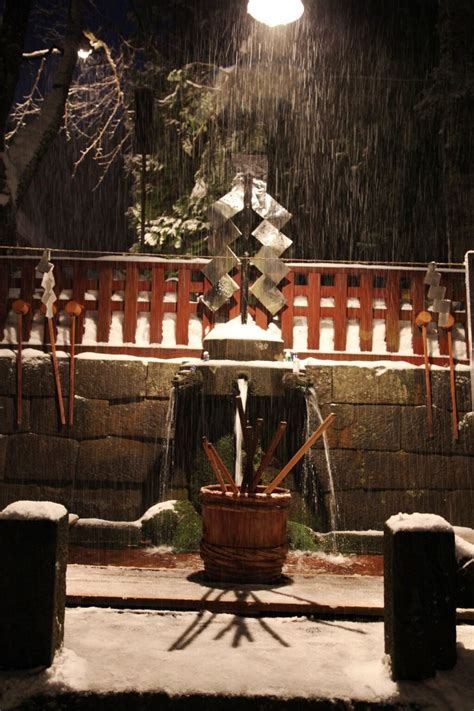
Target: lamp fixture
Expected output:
[275,12]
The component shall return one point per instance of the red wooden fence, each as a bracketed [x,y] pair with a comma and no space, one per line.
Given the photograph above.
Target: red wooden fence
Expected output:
[136,285]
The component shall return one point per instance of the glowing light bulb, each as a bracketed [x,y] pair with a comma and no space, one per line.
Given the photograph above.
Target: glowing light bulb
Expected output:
[84,53]
[275,12]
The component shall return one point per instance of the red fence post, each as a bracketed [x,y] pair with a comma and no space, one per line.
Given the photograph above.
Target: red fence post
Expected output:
[340,311]
[79,287]
[207,314]
[314,310]
[131,302]
[392,316]
[27,290]
[261,317]
[287,314]
[105,302]
[366,301]
[182,306]
[417,291]
[156,303]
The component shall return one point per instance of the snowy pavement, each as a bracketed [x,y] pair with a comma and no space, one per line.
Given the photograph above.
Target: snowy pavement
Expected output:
[177,654]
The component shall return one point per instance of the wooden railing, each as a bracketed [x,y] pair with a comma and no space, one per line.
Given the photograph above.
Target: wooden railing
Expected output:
[164,289]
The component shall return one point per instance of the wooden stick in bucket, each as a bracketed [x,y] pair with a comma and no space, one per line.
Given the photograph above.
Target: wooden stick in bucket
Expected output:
[20,308]
[300,453]
[73,309]
[54,355]
[422,320]
[214,465]
[268,454]
[223,469]
[452,376]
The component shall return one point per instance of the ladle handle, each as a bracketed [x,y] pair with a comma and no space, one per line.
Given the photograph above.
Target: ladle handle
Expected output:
[300,453]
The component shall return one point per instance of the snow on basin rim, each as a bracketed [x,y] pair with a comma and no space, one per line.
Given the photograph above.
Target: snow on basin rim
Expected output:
[236,330]
[418,522]
[34,511]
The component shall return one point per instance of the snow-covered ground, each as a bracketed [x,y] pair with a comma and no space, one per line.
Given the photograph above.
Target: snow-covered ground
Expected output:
[184,653]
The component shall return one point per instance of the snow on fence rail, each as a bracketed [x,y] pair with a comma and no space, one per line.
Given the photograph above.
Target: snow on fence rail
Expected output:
[153,307]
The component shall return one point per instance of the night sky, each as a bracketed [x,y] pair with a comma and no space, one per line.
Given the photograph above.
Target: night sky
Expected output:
[354,152]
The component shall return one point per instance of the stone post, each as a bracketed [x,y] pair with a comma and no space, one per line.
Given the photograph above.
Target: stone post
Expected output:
[419,592]
[33,559]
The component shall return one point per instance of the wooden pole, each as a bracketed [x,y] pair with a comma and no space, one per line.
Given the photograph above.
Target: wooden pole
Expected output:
[21,308]
[422,320]
[223,469]
[74,310]
[214,464]
[452,375]
[300,453]
[268,454]
[54,355]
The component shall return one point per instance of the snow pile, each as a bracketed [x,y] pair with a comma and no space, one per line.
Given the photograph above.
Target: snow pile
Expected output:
[33,511]
[158,508]
[418,522]
[237,330]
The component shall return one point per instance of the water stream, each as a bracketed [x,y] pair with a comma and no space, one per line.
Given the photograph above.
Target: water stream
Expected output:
[167,459]
[312,407]
[242,385]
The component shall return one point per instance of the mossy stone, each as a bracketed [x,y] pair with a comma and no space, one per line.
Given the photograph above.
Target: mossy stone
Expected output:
[188,532]
[301,537]
[160,528]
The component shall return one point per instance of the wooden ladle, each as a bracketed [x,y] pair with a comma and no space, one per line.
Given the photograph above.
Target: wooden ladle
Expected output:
[422,320]
[73,309]
[448,325]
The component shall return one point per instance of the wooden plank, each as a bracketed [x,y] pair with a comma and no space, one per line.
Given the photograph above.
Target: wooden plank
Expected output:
[314,310]
[287,314]
[182,306]
[340,311]
[417,294]
[173,590]
[27,289]
[156,303]
[392,301]
[4,289]
[130,305]
[366,300]
[104,319]
[79,286]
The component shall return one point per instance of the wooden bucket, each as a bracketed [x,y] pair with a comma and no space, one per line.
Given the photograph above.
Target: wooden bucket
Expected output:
[244,537]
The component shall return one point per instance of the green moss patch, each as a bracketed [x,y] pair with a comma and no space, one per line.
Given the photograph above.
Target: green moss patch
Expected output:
[301,537]
[173,523]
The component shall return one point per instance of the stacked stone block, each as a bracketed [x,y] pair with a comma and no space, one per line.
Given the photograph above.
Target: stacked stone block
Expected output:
[102,465]
[382,459]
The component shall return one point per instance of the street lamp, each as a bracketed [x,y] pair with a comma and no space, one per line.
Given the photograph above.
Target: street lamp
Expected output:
[275,12]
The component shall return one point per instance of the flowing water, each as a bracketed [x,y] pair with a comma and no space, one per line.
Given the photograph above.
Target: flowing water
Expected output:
[312,409]
[242,385]
[167,459]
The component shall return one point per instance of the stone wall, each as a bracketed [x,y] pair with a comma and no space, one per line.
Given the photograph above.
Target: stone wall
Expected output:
[382,459]
[107,464]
